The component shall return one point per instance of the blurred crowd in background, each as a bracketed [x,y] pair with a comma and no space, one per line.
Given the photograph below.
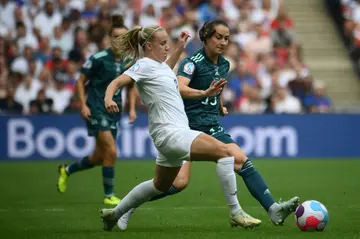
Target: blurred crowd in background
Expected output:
[347,16]
[43,45]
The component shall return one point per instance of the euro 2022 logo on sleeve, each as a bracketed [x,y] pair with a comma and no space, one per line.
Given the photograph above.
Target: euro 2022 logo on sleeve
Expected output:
[189,68]
[135,67]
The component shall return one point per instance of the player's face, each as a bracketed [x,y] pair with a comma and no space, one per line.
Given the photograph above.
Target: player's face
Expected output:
[219,40]
[159,46]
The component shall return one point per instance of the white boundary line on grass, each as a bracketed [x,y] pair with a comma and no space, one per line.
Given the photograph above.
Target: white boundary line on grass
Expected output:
[4,210]
[57,210]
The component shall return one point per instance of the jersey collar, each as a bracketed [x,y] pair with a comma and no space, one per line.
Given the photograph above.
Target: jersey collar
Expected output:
[207,58]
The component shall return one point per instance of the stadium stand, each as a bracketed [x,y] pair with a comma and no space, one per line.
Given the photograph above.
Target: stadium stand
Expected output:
[43,44]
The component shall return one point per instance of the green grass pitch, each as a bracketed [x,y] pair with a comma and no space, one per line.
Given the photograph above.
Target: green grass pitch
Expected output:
[30,206]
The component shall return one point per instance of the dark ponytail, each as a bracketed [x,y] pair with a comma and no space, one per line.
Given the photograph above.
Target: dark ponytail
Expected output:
[117,21]
[208,29]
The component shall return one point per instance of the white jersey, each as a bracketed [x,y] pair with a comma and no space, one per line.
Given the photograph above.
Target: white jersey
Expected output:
[159,91]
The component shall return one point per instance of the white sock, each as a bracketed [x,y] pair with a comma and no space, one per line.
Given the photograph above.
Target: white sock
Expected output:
[137,196]
[226,175]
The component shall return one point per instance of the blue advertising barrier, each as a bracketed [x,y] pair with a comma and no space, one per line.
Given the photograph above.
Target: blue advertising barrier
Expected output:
[288,136]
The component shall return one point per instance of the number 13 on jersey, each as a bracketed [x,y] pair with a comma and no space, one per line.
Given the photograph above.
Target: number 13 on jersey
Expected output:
[212,101]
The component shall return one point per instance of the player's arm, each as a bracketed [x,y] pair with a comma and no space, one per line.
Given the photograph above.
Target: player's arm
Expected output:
[119,82]
[80,90]
[177,53]
[131,89]
[188,92]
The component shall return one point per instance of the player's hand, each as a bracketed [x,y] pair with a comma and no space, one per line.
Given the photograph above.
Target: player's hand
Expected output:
[215,88]
[111,106]
[224,111]
[184,36]
[85,112]
[132,116]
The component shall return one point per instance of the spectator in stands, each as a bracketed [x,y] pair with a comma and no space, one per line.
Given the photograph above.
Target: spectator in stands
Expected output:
[47,20]
[318,101]
[283,39]
[72,73]
[282,102]
[8,105]
[194,44]
[239,78]
[26,92]
[58,40]
[148,16]
[56,61]
[90,12]
[59,94]
[66,40]
[41,105]
[11,52]
[25,37]
[4,74]
[251,102]
[301,84]
[232,54]
[44,50]
[73,107]
[33,8]
[7,19]
[261,43]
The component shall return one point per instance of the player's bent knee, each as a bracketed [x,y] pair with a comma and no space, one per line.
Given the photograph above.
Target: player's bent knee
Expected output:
[240,160]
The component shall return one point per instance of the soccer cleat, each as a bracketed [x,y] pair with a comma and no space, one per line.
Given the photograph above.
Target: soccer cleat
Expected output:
[241,218]
[112,200]
[63,177]
[124,220]
[278,212]
[108,218]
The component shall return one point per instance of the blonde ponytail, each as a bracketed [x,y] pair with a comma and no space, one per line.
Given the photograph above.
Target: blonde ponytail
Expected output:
[127,45]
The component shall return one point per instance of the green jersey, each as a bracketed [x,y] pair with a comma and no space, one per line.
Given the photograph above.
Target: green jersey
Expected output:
[101,69]
[203,113]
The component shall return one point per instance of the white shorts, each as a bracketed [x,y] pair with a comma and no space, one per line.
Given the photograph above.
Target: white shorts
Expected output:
[175,148]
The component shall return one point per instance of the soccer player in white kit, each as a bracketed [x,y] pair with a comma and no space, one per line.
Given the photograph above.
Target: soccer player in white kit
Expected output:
[168,124]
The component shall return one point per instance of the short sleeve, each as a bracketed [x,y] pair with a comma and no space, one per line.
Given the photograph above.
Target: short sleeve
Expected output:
[227,67]
[139,71]
[91,67]
[186,68]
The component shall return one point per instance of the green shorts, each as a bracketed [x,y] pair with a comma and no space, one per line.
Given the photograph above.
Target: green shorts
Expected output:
[217,132]
[100,122]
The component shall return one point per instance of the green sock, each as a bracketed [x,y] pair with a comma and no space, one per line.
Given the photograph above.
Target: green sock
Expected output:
[108,174]
[256,185]
[79,166]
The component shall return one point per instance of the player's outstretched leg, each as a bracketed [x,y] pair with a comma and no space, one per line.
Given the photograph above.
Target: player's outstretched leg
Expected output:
[207,148]
[86,163]
[180,183]
[164,177]
[108,145]
[258,188]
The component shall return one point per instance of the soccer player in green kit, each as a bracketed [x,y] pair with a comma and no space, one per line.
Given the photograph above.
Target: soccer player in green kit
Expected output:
[197,75]
[99,71]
